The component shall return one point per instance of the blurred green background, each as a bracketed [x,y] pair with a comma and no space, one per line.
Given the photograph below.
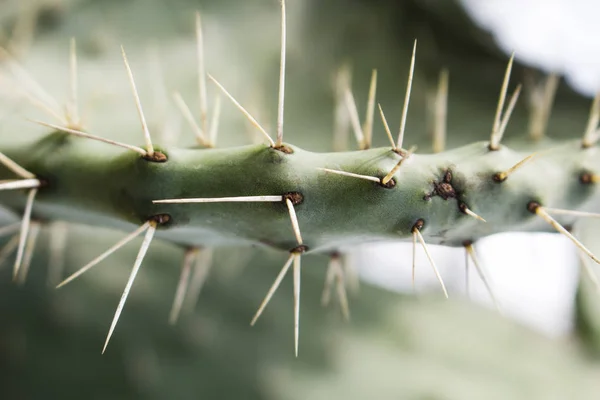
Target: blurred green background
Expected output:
[396,346]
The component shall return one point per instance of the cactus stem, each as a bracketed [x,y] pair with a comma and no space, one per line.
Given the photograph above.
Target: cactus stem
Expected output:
[441,111]
[86,135]
[411,74]
[470,251]
[201,74]
[151,229]
[368,125]
[465,209]
[20,184]
[497,135]
[590,136]
[501,176]
[138,104]
[183,283]
[107,253]
[25,223]
[252,120]
[15,167]
[388,178]
[416,231]
[541,100]
[354,118]
[537,209]
[187,114]
[9,229]
[281,94]
[28,254]
[502,98]
[296,271]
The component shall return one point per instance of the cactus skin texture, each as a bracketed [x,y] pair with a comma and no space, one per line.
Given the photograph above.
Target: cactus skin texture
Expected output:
[114,188]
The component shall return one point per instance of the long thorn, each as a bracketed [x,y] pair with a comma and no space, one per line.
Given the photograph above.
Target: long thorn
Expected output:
[14,167]
[273,288]
[281,97]
[414,258]
[441,111]
[497,135]
[57,247]
[8,249]
[294,220]
[187,114]
[9,229]
[407,97]
[471,213]
[341,123]
[243,110]
[182,285]
[354,118]
[136,266]
[86,135]
[542,104]
[201,74]
[214,122]
[138,104]
[589,271]
[541,211]
[29,82]
[107,253]
[467,287]
[28,254]
[20,184]
[236,199]
[473,255]
[590,136]
[573,213]
[341,291]
[72,109]
[393,171]
[202,268]
[351,174]
[368,126]
[437,273]
[501,176]
[297,267]
[502,96]
[25,223]
[329,279]
[387,128]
